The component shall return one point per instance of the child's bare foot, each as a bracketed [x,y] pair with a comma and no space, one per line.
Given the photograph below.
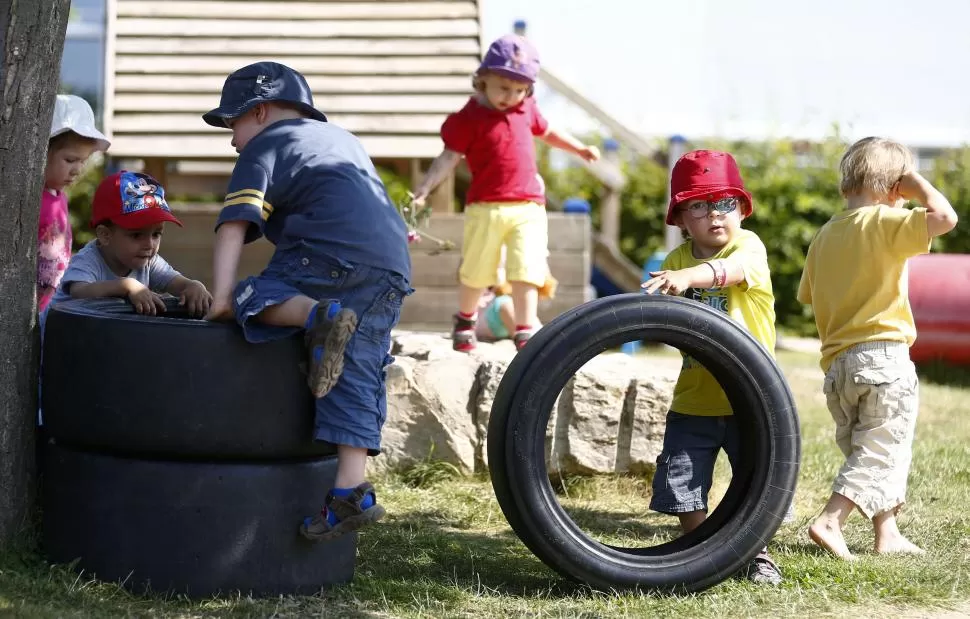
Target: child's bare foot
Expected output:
[888,537]
[828,535]
[897,544]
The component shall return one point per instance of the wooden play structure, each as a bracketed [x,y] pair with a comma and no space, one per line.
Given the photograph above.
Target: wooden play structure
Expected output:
[388,71]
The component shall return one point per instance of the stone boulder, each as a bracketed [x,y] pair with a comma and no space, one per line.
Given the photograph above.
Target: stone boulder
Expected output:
[609,417]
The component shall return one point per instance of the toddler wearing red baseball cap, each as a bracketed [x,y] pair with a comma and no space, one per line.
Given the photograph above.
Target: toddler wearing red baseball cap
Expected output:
[128,215]
[726,267]
[495,133]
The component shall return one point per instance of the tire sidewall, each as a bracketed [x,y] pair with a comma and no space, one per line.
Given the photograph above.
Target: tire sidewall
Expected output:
[756,504]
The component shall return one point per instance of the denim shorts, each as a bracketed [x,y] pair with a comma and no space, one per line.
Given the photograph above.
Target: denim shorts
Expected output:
[685,467]
[354,411]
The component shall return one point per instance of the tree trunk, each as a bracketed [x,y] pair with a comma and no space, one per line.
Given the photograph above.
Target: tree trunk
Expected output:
[32,39]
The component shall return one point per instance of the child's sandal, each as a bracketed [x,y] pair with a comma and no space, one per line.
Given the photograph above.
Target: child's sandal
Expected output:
[331,335]
[350,515]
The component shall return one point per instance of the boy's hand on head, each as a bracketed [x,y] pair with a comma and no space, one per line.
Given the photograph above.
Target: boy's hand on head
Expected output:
[667,282]
[590,153]
[195,298]
[911,186]
[143,299]
[220,309]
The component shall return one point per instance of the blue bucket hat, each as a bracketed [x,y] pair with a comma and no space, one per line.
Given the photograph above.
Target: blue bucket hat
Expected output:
[262,82]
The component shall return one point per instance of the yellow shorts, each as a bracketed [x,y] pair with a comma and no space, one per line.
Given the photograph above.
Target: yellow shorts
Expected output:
[520,227]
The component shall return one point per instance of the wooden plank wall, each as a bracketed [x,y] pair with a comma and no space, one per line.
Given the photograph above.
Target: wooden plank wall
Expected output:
[189,250]
[389,71]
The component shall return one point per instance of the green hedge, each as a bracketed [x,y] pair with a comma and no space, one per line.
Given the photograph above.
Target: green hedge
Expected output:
[795,189]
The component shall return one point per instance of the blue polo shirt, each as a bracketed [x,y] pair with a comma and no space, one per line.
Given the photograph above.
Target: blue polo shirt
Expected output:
[309,181]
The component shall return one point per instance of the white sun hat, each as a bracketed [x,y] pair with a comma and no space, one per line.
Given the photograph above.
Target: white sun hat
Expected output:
[72,113]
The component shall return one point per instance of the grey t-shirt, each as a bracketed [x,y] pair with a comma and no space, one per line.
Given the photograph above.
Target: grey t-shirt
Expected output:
[88,266]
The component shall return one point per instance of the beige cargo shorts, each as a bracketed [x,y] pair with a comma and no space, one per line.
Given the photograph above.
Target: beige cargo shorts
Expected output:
[872,393]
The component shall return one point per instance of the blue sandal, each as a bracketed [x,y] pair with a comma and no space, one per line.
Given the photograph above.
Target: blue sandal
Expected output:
[326,341]
[350,514]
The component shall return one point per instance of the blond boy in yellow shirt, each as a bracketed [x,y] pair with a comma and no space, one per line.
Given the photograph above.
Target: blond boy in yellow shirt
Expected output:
[855,279]
[726,267]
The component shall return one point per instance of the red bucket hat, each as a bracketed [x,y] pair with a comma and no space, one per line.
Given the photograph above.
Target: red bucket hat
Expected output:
[707,174]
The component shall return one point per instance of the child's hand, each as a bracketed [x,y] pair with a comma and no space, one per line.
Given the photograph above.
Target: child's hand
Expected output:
[590,153]
[418,199]
[666,282]
[195,298]
[912,186]
[220,309]
[143,299]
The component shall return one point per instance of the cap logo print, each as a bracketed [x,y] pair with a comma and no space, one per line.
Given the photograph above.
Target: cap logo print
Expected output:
[517,59]
[138,194]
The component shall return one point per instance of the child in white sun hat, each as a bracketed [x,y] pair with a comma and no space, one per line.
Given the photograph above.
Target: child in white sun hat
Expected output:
[73,139]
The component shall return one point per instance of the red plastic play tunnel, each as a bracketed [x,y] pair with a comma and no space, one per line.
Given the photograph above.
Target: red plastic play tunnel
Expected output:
[939,292]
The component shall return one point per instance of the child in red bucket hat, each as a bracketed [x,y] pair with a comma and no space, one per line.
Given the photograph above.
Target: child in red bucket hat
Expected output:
[505,204]
[724,266]
[128,215]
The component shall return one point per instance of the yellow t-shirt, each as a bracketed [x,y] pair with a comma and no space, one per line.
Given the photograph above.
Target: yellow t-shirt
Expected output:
[856,280]
[750,303]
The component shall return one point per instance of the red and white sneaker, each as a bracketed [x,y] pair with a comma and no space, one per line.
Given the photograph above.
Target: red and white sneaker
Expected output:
[463,335]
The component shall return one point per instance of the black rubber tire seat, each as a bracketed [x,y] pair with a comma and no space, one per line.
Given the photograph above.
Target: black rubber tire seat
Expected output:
[172,387]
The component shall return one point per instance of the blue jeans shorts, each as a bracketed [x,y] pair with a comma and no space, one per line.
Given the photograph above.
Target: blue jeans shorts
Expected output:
[354,411]
[685,467]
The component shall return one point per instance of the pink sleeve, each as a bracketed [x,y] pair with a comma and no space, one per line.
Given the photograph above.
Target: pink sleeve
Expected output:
[53,247]
[539,123]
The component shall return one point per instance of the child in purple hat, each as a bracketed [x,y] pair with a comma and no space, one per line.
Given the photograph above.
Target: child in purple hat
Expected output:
[505,204]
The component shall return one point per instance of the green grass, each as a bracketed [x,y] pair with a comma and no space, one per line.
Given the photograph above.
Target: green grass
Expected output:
[445,549]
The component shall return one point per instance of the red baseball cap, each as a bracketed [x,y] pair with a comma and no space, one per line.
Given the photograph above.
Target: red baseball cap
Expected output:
[707,174]
[131,200]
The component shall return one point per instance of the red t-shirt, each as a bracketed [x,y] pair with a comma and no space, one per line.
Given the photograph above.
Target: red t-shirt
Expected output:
[500,150]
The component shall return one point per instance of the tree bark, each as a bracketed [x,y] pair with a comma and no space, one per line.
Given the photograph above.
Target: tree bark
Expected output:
[32,39]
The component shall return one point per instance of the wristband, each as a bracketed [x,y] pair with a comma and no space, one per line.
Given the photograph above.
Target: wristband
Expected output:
[720,273]
[713,268]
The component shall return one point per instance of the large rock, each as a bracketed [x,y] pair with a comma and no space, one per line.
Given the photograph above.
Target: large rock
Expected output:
[609,417]
[489,375]
[587,424]
[428,411]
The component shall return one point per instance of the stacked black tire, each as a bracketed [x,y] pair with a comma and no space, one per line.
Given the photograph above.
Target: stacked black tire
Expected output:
[180,457]
[760,492]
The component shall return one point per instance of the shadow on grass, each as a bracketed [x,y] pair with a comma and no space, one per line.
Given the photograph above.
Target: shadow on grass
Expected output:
[943,373]
[419,555]
[418,560]
[625,530]
[427,550]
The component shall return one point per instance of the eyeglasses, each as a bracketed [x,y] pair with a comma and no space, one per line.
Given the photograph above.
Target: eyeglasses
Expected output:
[700,210]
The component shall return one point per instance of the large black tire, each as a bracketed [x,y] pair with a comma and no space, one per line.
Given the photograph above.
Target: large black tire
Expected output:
[190,527]
[172,387]
[761,489]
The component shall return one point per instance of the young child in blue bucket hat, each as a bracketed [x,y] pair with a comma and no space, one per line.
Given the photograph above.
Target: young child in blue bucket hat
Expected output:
[339,273]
